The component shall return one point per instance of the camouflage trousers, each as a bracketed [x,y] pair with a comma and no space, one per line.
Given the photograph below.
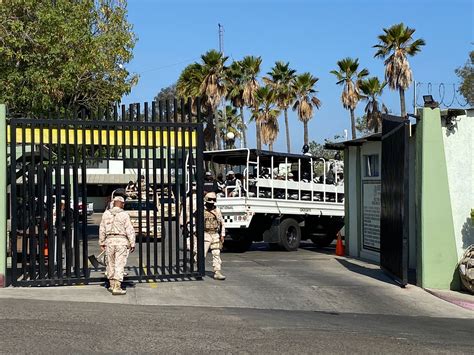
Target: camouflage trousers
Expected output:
[116,260]
[211,241]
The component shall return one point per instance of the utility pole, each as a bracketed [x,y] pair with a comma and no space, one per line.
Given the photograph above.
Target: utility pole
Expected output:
[414,97]
[221,38]
[224,113]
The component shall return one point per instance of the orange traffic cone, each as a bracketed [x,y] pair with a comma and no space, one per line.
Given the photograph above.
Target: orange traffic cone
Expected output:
[46,249]
[339,246]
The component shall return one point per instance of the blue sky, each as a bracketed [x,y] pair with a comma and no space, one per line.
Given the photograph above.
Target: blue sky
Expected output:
[311,35]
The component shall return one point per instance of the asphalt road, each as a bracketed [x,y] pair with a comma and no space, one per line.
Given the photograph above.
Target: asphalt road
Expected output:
[62,327]
[304,302]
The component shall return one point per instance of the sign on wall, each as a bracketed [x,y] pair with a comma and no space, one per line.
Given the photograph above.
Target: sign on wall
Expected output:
[371,215]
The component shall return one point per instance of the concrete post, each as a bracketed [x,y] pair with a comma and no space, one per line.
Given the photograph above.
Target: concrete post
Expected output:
[3,195]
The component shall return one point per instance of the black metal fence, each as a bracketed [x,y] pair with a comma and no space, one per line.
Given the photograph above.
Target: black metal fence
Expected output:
[51,233]
[394,198]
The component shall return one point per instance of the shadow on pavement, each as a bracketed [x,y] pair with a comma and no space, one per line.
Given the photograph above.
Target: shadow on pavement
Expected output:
[376,274]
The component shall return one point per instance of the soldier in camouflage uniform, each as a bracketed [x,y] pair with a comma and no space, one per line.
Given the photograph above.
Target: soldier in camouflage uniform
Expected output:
[117,238]
[214,233]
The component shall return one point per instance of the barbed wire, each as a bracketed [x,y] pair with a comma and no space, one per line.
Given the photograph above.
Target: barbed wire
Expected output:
[445,97]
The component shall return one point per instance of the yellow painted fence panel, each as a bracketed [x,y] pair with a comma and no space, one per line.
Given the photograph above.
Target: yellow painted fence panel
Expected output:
[111,137]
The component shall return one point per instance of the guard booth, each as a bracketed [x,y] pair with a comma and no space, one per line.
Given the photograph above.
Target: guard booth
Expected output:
[409,193]
[50,235]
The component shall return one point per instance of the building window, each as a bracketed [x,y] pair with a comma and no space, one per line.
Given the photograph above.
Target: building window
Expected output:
[371,163]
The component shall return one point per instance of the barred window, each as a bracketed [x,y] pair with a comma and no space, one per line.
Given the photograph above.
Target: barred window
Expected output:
[371,165]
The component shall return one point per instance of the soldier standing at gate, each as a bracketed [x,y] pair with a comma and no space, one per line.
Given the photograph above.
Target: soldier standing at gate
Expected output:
[214,233]
[117,238]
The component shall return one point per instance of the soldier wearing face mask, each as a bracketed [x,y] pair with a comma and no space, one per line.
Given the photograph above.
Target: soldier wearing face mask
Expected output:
[214,233]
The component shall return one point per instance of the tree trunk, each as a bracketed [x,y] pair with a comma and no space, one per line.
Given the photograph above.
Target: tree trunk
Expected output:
[353,124]
[244,129]
[403,110]
[259,138]
[218,132]
[270,147]
[305,129]
[287,127]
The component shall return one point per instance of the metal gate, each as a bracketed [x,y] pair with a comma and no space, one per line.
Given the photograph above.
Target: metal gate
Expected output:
[394,198]
[58,163]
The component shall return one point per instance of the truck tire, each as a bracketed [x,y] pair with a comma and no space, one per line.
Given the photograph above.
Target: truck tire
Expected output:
[290,234]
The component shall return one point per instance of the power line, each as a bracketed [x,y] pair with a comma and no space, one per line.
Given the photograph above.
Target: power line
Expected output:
[168,65]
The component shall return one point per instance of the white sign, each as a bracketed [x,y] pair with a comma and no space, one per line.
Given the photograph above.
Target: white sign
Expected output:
[371,215]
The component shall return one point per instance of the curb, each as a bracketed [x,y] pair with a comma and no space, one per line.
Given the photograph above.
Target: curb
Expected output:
[452,299]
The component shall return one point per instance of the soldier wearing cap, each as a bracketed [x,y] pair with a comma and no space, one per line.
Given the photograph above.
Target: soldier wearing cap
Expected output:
[232,184]
[214,233]
[117,238]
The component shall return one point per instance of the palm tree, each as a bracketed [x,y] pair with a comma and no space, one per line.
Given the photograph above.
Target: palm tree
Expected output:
[189,82]
[266,117]
[231,122]
[372,89]
[348,76]
[396,43]
[303,85]
[242,85]
[250,69]
[213,84]
[235,91]
[280,79]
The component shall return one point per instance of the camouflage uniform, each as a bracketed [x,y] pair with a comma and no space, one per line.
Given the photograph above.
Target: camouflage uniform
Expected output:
[117,234]
[213,230]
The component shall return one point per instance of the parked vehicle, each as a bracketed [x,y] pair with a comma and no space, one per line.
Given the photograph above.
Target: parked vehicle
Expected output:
[143,216]
[280,198]
[166,200]
[89,207]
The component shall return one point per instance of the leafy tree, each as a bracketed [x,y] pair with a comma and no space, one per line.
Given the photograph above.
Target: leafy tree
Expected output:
[349,76]
[317,150]
[306,100]
[372,89]
[361,126]
[167,93]
[466,74]
[280,79]
[397,43]
[64,54]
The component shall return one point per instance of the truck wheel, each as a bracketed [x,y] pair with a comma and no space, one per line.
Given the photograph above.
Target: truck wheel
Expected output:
[322,242]
[290,234]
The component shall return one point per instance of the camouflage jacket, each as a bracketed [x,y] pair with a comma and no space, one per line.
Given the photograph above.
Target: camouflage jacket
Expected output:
[116,228]
[213,221]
